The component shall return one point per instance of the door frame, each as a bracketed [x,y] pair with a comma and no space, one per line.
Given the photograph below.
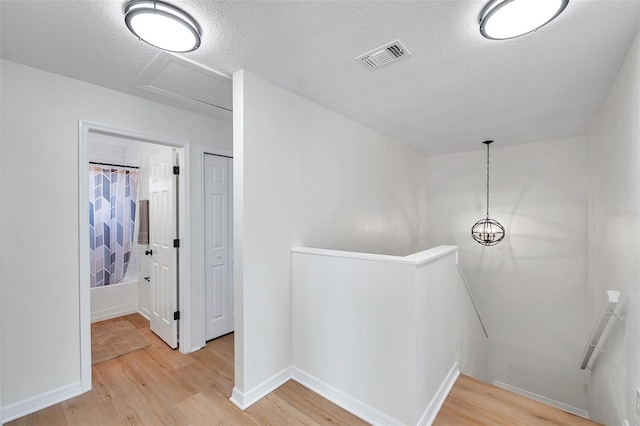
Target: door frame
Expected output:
[202,151]
[184,232]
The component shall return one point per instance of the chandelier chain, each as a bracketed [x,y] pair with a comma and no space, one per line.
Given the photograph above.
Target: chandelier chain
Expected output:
[487,180]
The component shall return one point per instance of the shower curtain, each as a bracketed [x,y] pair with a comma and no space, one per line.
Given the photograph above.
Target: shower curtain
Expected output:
[113,196]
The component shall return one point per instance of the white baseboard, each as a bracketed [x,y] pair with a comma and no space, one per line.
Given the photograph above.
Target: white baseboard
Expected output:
[145,313]
[338,397]
[38,402]
[543,399]
[441,395]
[246,399]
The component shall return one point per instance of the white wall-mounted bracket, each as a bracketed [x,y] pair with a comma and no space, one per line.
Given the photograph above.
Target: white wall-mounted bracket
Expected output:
[616,316]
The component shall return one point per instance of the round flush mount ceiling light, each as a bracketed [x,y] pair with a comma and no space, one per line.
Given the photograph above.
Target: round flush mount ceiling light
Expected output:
[503,19]
[162,25]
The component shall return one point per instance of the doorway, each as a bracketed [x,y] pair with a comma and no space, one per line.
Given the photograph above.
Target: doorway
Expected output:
[87,131]
[120,189]
[133,230]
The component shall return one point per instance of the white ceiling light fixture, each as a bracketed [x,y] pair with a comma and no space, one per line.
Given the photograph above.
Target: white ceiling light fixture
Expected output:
[504,19]
[162,25]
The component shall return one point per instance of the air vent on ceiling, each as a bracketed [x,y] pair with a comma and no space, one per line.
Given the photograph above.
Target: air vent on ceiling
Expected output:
[384,55]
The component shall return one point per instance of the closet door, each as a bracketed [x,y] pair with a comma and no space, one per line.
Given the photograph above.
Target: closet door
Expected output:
[218,263]
[164,257]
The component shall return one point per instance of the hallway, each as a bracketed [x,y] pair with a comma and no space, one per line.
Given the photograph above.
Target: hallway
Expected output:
[160,386]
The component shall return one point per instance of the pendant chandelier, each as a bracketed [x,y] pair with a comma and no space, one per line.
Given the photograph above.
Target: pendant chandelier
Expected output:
[487,231]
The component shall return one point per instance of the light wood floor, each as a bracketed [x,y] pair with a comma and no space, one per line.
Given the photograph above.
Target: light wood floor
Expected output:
[159,386]
[473,402]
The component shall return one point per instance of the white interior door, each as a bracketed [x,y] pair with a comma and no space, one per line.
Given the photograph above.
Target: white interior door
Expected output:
[218,261]
[162,232]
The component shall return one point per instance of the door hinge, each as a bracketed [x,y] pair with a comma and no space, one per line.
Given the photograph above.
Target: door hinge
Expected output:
[176,170]
[176,315]
[176,243]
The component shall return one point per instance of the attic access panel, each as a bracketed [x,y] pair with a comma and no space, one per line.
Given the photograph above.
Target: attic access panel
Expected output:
[181,79]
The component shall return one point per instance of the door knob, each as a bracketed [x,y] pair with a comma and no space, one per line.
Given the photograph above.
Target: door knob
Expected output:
[219,256]
[148,252]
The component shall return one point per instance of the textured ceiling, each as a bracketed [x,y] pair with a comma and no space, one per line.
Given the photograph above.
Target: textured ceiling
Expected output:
[456,89]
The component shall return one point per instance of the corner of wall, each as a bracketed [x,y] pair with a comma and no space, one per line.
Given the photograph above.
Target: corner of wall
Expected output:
[614,246]
[238,229]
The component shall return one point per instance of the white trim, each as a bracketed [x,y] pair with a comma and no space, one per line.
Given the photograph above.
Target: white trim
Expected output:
[419,258]
[441,395]
[184,229]
[38,402]
[202,150]
[184,262]
[83,249]
[238,227]
[237,398]
[144,314]
[246,399]
[543,399]
[338,397]
[199,189]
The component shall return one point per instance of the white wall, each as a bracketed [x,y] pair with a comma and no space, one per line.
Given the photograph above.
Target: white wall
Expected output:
[106,149]
[1,239]
[354,329]
[531,287]
[614,251]
[39,198]
[306,176]
[384,331]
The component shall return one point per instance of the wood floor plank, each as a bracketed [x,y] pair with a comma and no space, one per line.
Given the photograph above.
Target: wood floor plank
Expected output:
[271,410]
[161,386]
[314,406]
[224,348]
[149,393]
[160,378]
[158,386]
[213,410]
[473,402]
[137,320]
[222,372]
[53,416]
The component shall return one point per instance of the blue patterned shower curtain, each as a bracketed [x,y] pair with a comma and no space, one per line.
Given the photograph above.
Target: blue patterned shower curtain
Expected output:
[112,211]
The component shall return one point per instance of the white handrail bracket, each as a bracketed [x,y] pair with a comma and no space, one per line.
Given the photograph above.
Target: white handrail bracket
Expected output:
[607,311]
[616,316]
